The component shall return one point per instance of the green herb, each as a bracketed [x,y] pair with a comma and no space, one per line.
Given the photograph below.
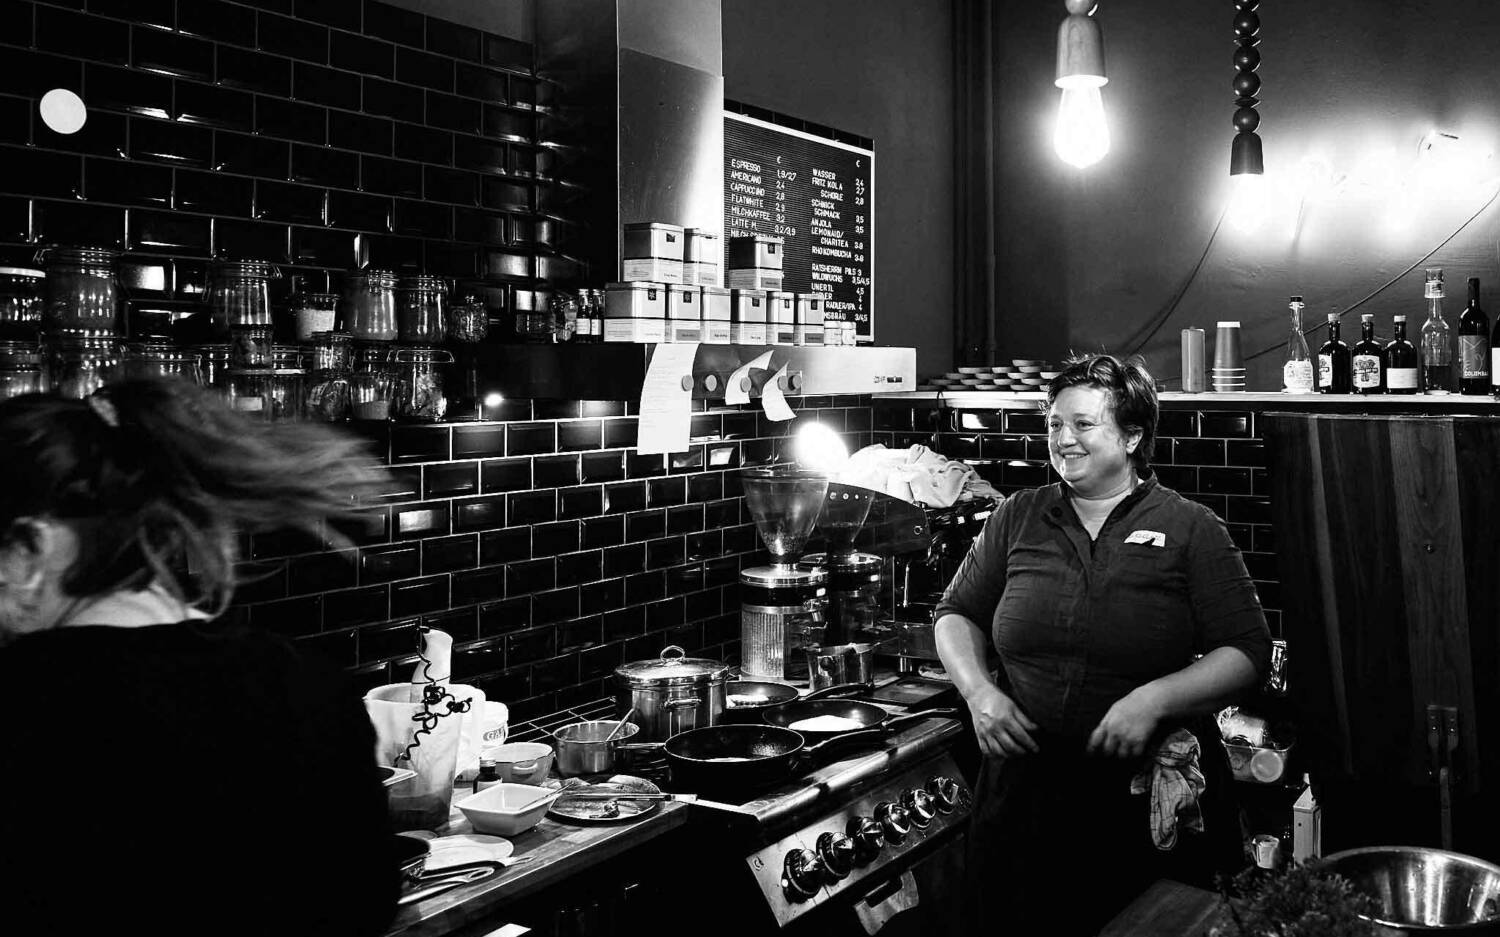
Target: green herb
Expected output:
[1298,901]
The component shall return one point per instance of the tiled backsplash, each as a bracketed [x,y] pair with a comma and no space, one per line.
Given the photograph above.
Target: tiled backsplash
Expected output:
[1214,457]
[276,130]
[545,544]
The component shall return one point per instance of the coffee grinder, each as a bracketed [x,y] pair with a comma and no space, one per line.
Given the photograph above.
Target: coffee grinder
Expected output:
[854,577]
[782,605]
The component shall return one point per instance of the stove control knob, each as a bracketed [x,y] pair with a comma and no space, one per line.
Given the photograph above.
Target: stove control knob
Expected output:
[895,820]
[945,791]
[837,852]
[868,837]
[802,874]
[920,807]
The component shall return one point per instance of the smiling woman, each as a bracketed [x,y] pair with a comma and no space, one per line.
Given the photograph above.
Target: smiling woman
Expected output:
[1096,593]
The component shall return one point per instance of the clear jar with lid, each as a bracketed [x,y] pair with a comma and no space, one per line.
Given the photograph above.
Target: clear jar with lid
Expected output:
[419,396]
[83,364]
[328,389]
[23,369]
[533,317]
[468,320]
[249,391]
[288,386]
[239,294]
[162,359]
[369,305]
[250,346]
[312,313]
[21,303]
[83,292]
[424,303]
[370,382]
[213,361]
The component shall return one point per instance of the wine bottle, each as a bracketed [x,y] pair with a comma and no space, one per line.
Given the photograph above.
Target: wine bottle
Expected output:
[1368,364]
[1297,375]
[1437,339]
[1473,345]
[1401,362]
[1333,361]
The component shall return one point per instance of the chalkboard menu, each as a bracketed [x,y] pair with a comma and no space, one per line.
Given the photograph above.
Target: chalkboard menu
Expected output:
[815,192]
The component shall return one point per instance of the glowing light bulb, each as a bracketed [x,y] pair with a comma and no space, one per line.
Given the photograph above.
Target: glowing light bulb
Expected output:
[493,399]
[1247,201]
[821,449]
[1082,135]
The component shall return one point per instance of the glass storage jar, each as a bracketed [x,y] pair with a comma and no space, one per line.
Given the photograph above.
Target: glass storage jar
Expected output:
[468,320]
[533,318]
[332,351]
[239,293]
[369,305]
[328,385]
[83,364]
[162,359]
[213,361]
[419,396]
[370,382]
[313,313]
[424,302]
[288,385]
[250,346]
[21,303]
[23,369]
[83,293]
[249,391]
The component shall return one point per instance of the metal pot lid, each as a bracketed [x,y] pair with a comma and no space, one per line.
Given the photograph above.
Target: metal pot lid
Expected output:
[677,670]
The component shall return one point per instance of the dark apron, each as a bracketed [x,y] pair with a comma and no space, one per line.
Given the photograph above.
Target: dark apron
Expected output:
[1058,845]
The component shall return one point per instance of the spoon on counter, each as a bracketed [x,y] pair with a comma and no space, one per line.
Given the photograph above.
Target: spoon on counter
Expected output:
[624,720]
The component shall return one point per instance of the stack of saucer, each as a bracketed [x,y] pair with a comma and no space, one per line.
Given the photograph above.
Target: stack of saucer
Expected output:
[1228,379]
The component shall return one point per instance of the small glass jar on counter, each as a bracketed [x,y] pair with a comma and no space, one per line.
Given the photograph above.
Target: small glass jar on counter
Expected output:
[370,382]
[248,391]
[250,346]
[239,294]
[162,359]
[21,303]
[83,364]
[424,302]
[419,395]
[83,292]
[213,362]
[533,317]
[312,313]
[369,305]
[468,320]
[23,369]
[328,390]
[288,386]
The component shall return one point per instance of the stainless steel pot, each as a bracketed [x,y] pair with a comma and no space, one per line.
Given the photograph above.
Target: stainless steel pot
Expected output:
[587,747]
[672,693]
[834,664]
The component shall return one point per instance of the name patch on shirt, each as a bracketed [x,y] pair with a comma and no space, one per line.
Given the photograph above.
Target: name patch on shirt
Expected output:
[1155,538]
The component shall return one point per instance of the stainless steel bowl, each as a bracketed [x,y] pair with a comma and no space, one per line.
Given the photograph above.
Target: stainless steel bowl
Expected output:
[1424,891]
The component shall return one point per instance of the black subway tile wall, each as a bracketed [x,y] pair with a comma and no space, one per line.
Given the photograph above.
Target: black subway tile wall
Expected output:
[548,568]
[1213,457]
[276,132]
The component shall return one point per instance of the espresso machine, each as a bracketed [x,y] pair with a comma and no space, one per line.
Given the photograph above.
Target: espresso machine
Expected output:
[781,605]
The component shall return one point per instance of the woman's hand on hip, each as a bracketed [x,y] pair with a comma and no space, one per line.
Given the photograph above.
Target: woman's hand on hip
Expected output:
[1128,726]
[999,724]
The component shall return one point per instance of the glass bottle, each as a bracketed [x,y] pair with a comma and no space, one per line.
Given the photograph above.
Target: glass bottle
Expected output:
[1473,345]
[1333,361]
[1437,339]
[590,317]
[1297,375]
[1368,364]
[1401,361]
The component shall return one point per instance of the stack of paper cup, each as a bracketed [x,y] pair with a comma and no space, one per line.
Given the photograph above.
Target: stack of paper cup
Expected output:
[1229,365]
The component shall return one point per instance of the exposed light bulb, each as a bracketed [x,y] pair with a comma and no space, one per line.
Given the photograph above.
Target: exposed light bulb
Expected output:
[1247,201]
[821,449]
[1082,136]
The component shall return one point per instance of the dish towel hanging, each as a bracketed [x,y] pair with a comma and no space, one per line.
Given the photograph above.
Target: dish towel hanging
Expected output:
[1175,780]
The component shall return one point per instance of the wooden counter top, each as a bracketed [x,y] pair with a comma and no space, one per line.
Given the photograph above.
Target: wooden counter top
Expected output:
[560,849]
[1166,909]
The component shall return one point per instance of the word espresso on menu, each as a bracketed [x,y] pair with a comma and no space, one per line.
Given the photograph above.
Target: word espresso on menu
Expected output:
[815,194]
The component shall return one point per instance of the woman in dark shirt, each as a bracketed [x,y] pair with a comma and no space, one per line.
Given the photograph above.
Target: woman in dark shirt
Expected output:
[1096,593]
[165,774]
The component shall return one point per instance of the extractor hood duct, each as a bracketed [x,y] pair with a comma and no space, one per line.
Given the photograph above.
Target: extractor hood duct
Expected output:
[636,118]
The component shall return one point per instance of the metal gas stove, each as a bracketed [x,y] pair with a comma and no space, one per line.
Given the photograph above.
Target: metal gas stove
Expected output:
[848,829]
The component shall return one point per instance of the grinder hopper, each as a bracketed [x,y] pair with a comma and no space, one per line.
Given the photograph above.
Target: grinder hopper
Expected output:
[782,607]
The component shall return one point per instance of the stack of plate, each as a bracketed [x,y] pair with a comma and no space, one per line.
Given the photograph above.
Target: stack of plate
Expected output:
[1022,375]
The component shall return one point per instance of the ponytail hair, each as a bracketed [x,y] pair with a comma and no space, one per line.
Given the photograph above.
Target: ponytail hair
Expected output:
[159,479]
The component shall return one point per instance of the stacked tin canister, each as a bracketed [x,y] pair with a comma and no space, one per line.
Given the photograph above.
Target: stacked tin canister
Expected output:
[671,291]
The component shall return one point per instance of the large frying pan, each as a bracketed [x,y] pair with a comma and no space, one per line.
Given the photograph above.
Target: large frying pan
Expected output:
[857,715]
[746,757]
[749,699]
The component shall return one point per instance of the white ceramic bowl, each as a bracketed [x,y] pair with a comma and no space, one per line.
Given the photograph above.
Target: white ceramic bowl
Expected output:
[507,809]
[521,762]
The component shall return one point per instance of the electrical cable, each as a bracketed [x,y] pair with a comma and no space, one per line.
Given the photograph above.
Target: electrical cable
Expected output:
[1160,319]
[1388,283]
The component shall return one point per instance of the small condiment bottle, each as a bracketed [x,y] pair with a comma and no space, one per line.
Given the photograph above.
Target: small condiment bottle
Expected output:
[489,775]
